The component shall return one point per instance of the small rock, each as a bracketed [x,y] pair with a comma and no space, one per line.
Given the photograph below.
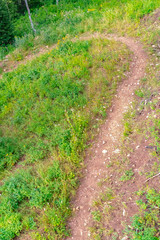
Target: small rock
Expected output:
[117,151]
[137,147]
[104,142]
[124,212]
[104,151]
[124,238]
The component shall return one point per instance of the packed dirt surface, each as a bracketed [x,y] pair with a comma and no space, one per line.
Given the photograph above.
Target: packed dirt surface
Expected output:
[107,141]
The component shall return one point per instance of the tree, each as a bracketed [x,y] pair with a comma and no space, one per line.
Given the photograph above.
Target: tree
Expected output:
[6,29]
[29,14]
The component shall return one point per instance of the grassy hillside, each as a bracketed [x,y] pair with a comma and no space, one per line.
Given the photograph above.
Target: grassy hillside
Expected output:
[70,18]
[49,108]
[52,107]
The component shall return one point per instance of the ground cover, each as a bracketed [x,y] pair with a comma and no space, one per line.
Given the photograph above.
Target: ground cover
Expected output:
[48,109]
[65,91]
[70,19]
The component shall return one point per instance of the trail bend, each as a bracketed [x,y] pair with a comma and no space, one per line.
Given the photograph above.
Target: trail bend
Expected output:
[108,138]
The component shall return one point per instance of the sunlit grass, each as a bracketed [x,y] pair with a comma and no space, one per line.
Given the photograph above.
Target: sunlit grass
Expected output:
[48,110]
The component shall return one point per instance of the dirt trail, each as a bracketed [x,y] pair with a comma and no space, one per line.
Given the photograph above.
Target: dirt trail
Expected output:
[107,139]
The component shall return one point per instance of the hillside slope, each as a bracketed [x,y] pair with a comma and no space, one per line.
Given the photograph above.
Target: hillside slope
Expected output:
[55,112]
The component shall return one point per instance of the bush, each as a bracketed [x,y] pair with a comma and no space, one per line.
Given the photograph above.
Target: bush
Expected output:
[9,152]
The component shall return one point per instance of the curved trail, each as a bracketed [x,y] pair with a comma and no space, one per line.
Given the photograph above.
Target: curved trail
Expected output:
[107,139]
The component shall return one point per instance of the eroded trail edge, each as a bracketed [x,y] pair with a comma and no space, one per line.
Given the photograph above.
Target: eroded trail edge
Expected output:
[108,139]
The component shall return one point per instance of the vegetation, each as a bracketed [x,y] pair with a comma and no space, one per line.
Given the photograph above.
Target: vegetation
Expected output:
[6,29]
[52,106]
[47,108]
[146,224]
[72,17]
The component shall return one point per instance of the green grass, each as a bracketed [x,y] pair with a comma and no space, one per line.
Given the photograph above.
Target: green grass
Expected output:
[53,23]
[146,224]
[127,175]
[48,110]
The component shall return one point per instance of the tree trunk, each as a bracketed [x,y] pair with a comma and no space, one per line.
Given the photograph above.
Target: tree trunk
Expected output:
[57,2]
[29,14]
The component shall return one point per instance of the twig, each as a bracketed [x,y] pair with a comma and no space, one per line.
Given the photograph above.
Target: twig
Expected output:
[153,177]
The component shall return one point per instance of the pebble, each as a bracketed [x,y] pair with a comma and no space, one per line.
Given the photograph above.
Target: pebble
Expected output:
[104,151]
[117,151]
[124,238]
[124,212]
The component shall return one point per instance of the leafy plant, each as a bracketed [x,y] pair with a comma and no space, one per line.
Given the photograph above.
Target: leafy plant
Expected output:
[145,225]
[127,175]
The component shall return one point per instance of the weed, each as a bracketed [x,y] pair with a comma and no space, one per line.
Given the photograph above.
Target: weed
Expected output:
[146,224]
[127,129]
[96,216]
[127,175]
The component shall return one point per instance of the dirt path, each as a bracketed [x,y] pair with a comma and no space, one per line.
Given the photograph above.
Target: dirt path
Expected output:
[108,139]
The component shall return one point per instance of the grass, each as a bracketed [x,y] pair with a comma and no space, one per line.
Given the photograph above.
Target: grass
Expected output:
[48,109]
[146,225]
[53,22]
[127,175]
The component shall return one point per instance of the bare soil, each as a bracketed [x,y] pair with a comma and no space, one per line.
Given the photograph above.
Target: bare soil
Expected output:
[108,139]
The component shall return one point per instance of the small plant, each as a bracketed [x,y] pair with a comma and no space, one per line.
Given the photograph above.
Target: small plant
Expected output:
[96,216]
[139,93]
[127,175]
[146,225]
[17,55]
[127,129]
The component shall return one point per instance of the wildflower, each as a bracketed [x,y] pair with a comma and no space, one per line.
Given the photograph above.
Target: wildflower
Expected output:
[91,10]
